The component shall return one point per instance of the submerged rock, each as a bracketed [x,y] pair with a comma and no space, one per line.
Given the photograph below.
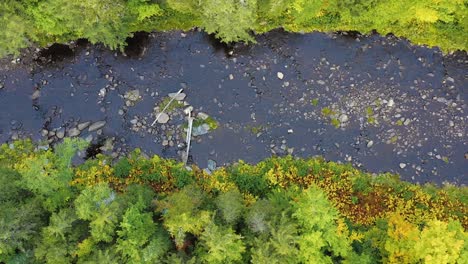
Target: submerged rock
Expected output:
[200,130]
[133,95]
[36,95]
[202,116]
[211,165]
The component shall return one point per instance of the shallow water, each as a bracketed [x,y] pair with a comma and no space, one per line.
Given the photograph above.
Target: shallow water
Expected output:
[402,108]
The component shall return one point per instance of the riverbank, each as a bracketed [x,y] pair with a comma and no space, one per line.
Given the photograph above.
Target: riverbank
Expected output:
[439,23]
[143,209]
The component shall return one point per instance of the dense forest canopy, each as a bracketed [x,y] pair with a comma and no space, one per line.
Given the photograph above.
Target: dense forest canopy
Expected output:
[25,23]
[282,210]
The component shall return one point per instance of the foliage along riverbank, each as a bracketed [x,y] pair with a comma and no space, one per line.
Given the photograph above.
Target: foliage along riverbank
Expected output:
[442,23]
[282,210]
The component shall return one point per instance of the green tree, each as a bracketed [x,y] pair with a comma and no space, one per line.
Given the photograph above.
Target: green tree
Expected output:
[318,229]
[258,216]
[231,206]
[16,28]
[220,16]
[97,20]
[20,224]
[100,205]
[220,245]
[139,240]
[281,246]
[271,14]
[182,213]
[58,238]
[47,174]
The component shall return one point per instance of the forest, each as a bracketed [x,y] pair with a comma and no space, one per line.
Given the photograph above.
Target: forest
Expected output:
[61,203]
[142,209]
[38,23]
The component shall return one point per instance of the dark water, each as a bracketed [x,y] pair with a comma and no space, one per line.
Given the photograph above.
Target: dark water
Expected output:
[398,108]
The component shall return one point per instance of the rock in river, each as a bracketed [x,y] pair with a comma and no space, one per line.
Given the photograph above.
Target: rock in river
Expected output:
[133,95]
[60,133]
[74,132]
[202,116]
[163,118]
[97,125]
[178,97]
[83,125]
[343,118]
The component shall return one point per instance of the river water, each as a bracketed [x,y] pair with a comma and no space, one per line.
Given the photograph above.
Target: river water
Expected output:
[376,102]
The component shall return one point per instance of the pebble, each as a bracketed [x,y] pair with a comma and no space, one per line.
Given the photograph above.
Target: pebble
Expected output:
[280,75]
[290,131]
[402,165]
[165,142]
[97,125]
[344,118]
[390,103]
[102,92]
[370,144]
[320,82]
[163,118]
